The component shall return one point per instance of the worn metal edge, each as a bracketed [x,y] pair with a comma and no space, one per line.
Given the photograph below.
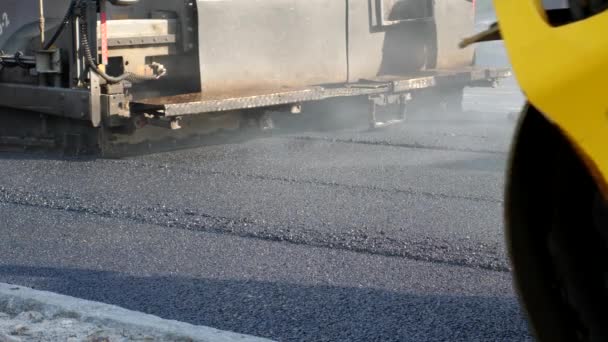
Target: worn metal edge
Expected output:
[390,84]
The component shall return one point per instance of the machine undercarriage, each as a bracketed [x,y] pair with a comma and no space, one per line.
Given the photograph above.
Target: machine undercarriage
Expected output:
[108,77]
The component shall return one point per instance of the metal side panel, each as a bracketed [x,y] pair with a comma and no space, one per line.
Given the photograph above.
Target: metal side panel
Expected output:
[252,44]
[455,20]
[70,103]
[8,12]
[19,21]
[377,49]
[139,28]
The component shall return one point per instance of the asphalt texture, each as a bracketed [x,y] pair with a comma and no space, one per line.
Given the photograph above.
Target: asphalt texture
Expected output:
[321,235]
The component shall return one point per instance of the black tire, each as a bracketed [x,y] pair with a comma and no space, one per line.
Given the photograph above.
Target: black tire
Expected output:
[556,225]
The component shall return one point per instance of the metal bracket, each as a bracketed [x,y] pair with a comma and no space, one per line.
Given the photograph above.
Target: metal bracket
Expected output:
[70,103]
[383,100]
[170,123]
[18,59]
[95,102]
[139,41]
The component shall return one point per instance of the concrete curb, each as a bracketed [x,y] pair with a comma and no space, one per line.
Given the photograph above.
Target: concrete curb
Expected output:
[17,299]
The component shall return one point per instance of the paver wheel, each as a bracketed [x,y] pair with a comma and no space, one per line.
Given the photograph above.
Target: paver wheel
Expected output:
[557,235]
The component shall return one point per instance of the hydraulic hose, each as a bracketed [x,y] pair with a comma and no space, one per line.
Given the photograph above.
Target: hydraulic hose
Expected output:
[88,54]
[66,20]
[128,76]
[16,60]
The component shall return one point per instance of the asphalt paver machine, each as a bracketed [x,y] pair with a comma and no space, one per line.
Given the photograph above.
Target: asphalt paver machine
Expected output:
[103,76]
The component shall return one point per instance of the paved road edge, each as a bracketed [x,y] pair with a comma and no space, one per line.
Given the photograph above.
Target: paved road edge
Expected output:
[16,299]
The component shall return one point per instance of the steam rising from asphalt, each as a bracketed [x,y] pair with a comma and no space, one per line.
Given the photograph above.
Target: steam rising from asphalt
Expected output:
[481,104]
[337,115]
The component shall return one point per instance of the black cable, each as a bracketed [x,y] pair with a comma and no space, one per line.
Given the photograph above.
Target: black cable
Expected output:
[66,20]
[88,55]
[18,61]
[84,41]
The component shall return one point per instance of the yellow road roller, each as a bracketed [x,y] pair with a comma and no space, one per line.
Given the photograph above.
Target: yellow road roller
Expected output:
[557,182]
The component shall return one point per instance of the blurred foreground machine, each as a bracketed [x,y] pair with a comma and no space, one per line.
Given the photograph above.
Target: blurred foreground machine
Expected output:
[104,76]
[557,192]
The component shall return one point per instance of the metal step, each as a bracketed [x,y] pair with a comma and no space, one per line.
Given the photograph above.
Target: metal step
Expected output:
[198,103]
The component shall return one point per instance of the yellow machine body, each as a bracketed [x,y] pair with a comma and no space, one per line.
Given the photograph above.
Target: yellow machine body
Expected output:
[563,72]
